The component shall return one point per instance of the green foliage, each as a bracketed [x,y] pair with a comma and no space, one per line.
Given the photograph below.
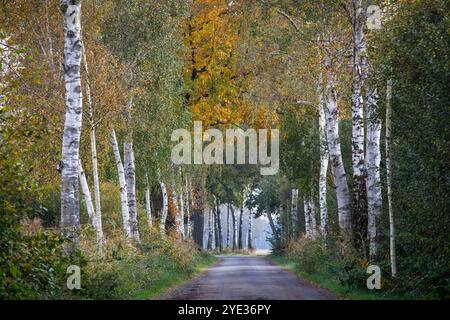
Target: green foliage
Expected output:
[415,54]
[126,273]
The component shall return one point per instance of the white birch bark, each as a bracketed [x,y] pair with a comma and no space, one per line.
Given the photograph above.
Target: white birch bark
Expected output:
[324,159]
[250,231]
[187,208]
[392,252]
[306,212]
[373,159]
[235,229]
[69,165]
[228,226]
[148,206]
[294,212]
[130,175]
[165,209]
[312,215]
[210,230]
[360,72]
[123,185]
[337,165]
[87,196]
[92,125]
[182,227]
[177,211]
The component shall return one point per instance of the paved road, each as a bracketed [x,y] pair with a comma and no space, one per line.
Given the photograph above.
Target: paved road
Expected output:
[247,277]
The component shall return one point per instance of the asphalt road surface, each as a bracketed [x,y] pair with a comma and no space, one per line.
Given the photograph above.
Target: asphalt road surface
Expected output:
[247,278]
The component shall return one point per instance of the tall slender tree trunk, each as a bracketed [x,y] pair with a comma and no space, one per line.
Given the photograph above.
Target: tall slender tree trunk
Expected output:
[241,220]
[228,226]
[334,147]
[69,165]
[373,159]
[182,228]
[216,229]
[87,196]
[393,255]
[273,227]
[148,201]
[360,72]
[219,226]
[312,208]
[176,206]
[92,125]
[187,208]
[233,215]
[324,159]
[294,212]
[307,213]
[123,185]
[130,175]
[210,229]
[250,231]
[198,214]
[165,209]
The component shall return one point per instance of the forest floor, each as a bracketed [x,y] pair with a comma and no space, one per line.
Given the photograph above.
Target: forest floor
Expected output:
[247,277]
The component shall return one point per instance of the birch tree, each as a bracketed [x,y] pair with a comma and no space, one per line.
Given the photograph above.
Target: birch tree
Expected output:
[360,73]
[69,165]
[176,207]
[87,196]
[130,173]
[250,231]
[388,140]
[334,147]
[165,209]
[148,207]
[294,214]
[324,159]
[210,229]
[123,185]
[373,158]
[93,140]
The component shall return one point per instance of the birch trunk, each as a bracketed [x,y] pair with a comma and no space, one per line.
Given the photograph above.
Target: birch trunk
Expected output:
[148,206]
[176,206]
[294,212]
[360,72]
[210,230]
[70,208]
[373,159]
[92,125]
[273,226]
[123,185]
[312,215]
[219,226]
[241,220]
[250,231]
[307,213]
[130,175]
[324,159]
[228,226]
[233,215]
[182,228]
[165,209]
[216,229]
[188,209]
[392,252]
[87,196]
[337,165]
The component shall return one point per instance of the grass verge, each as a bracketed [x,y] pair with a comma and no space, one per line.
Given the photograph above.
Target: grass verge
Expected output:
[173,278]
[330,283]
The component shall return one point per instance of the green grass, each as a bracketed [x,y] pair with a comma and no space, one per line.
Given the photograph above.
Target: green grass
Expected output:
[328,282]
[172,278]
